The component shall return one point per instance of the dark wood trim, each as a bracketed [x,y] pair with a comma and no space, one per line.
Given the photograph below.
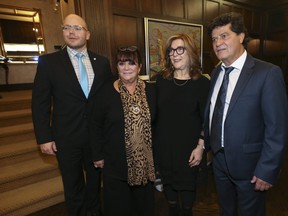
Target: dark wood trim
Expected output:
[15,87]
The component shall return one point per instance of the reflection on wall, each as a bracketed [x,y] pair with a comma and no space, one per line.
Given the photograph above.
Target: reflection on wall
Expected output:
[254,46]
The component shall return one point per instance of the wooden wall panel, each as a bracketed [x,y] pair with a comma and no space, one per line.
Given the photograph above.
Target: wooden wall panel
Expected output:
[257,23]
[96,20]
[125,31]
[276,44]
[254,47]
[238,10]
[174,8]
[278,20]
[127,23]
[225,8]
[212,10]
[248,19]
[125,4]
[151,6]
[194,9]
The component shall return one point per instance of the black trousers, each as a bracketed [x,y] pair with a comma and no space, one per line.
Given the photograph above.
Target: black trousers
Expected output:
[81,180]
[123,200]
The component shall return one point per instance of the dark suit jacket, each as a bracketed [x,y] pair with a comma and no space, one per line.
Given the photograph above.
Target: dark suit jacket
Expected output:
[256,122]
[56,83]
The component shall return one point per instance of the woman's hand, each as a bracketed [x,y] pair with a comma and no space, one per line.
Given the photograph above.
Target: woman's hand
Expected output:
[99,164]
[196,155]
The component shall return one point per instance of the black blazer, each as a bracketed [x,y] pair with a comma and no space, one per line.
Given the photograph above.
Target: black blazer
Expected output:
[56,83]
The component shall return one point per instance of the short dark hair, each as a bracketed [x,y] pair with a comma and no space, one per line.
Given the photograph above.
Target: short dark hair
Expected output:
[237,25]
[129,53]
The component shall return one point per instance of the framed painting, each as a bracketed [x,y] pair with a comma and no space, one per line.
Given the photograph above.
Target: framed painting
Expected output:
[157,32]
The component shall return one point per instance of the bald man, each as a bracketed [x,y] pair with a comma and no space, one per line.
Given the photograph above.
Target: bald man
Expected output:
[63,130]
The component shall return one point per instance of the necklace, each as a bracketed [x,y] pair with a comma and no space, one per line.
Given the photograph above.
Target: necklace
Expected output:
[135,108]
[178,84]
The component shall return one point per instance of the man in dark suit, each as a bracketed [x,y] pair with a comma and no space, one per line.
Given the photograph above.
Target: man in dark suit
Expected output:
[62,130]
[249,147]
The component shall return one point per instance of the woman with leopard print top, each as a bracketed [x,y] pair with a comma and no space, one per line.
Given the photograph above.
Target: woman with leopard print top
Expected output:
[121,139]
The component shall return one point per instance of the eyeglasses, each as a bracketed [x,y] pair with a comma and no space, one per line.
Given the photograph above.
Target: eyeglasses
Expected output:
[128,49]
[179,50]
[76,28]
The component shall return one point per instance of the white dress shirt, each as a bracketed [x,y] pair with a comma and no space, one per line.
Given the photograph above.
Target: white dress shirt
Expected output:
[233,78]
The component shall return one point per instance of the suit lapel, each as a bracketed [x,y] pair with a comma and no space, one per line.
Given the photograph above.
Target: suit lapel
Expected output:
[93,60]
[214,76]
[245,75]
[70,72]
[98,70]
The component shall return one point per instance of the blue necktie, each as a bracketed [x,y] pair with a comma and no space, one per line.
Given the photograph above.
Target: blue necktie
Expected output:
[216,125]
[83,74]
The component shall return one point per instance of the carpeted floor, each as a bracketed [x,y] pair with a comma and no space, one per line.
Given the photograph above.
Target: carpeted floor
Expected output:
[206,204]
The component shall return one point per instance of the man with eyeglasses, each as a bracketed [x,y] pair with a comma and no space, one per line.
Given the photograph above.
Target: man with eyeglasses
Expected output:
[68,80]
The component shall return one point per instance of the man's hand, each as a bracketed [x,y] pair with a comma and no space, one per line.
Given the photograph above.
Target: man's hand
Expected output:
[99,164]
[260,185]
[48,148]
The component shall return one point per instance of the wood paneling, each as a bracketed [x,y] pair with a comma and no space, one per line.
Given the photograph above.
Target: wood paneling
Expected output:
[95,18]
[248,19]
[125,31]
[212,10]
[254,47]
[278,20]
[194,9]
[225,8]
[276,44]
[127,23]
[174,8]
[238,10]
[151,6]
[257,23]
[124,34]
[125,4]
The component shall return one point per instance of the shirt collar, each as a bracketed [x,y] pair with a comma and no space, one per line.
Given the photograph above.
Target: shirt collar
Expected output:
[73,52]
[238,64]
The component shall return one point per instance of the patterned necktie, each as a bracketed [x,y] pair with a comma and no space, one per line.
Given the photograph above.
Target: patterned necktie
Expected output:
[83,74]
[217,119]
